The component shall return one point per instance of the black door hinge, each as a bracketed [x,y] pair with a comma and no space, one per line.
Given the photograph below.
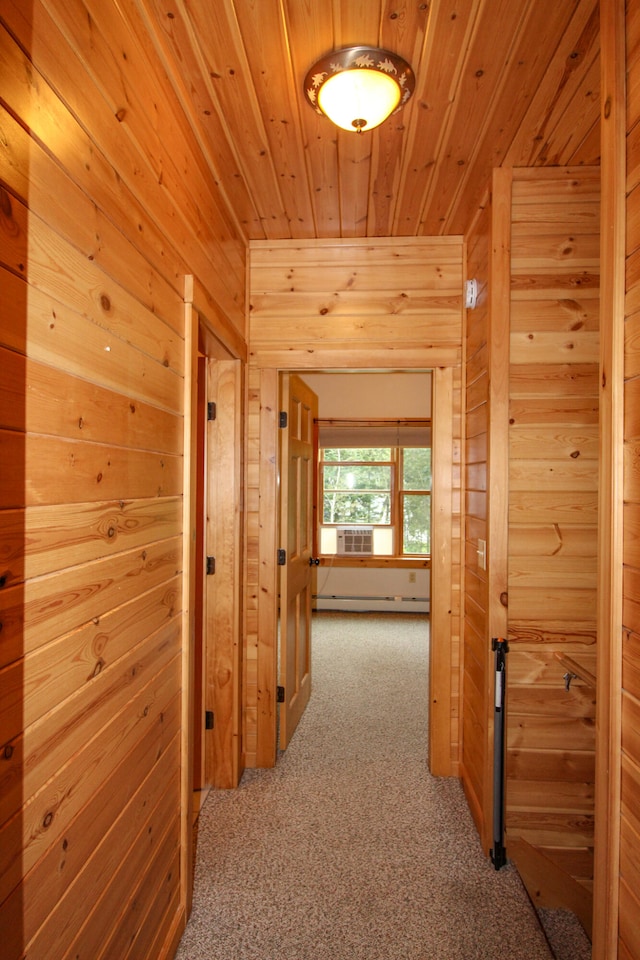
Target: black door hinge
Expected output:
[208,719]
[283,418]
[282,558]
[211,410]
[280,694]
[211,566]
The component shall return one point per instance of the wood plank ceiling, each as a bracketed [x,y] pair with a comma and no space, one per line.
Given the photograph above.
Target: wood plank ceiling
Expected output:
[497,81]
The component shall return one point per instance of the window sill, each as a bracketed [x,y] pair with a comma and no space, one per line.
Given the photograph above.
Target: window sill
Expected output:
[420,563]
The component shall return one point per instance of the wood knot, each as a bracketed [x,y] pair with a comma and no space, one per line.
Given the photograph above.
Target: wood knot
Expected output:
[5,204]
[97,669]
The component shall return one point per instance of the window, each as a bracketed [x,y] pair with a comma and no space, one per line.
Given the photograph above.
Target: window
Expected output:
[356,485]
[415,500]
[388,488]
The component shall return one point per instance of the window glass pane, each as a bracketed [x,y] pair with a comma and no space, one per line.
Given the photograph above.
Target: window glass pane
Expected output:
[416,524]
[416,468]
[368,454]
[357,508]
[352,477]
[356,493]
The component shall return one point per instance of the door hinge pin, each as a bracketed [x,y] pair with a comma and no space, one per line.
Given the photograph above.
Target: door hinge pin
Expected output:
[280,695]
[283,418]
[211,566]
[208,719]
[282,558]
[211,410]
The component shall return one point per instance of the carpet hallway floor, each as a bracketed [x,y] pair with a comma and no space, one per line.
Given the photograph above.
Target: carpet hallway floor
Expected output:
[348,849]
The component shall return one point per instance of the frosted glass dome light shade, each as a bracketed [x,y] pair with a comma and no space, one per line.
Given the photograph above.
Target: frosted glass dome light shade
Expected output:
[358,99]
[359,87]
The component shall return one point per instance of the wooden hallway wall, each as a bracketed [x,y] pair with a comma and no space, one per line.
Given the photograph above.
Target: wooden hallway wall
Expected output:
[553,467]
[101,220]
[354,305]
[532,491]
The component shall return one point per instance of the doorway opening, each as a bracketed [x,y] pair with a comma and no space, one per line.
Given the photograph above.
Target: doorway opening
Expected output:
[389,414]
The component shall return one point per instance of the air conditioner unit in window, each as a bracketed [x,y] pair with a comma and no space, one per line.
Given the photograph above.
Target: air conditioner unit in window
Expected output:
[355,541]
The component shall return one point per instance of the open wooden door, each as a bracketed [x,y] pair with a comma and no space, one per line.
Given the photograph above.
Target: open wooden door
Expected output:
[297,465]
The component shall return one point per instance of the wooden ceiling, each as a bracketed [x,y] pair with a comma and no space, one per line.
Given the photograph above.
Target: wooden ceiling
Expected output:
[497,81]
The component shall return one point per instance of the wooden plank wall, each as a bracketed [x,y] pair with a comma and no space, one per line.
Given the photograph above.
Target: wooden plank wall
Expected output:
[552,551]
[629,892]
[101,218]
[363,304]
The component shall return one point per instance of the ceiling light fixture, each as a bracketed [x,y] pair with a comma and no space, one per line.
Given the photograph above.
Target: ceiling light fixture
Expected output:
[359,87]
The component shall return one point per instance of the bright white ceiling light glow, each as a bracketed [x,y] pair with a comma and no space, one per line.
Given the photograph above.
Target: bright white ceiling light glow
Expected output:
[359,99]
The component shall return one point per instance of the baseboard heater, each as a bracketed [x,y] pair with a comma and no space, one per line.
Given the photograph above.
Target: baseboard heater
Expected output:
[363,602]
[339,596]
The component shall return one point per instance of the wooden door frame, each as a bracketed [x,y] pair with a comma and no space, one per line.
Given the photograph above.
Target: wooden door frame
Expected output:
[441,762]
[610,520]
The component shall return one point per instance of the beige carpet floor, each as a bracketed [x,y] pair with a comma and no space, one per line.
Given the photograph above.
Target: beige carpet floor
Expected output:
[349,848]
